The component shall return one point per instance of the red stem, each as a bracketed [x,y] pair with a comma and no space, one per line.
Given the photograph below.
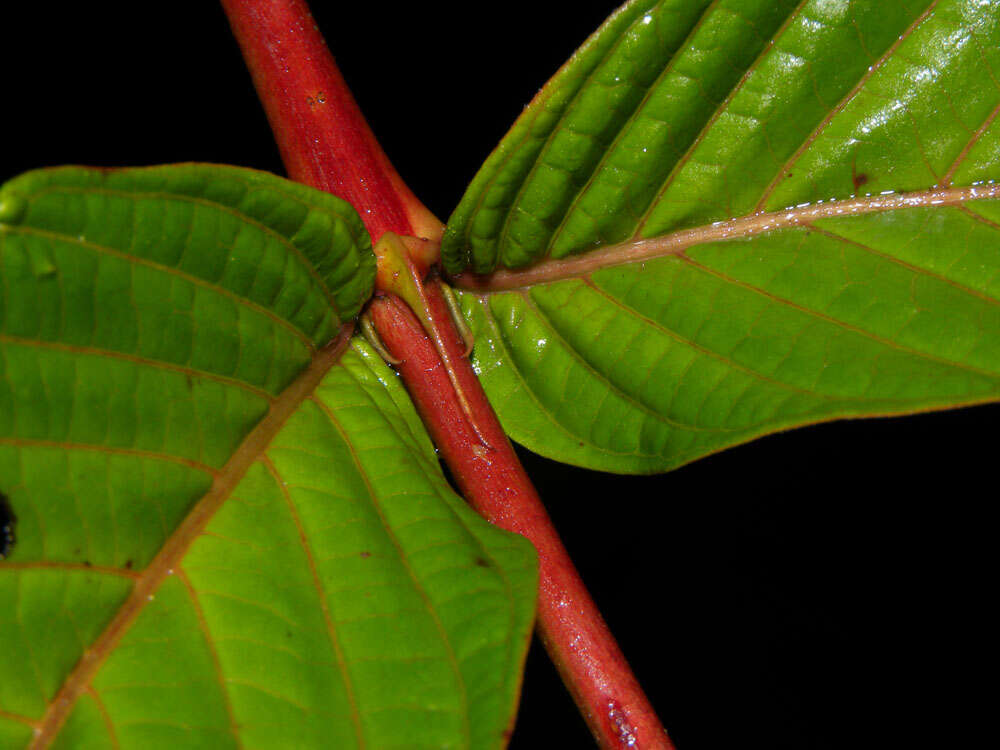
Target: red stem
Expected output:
[494,482]
[326,143]
[323,137]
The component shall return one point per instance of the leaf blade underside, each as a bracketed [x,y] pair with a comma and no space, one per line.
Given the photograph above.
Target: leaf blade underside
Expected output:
[228,532]
[745,230]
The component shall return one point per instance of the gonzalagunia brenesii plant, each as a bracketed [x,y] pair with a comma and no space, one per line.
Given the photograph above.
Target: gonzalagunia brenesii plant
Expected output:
[224,394]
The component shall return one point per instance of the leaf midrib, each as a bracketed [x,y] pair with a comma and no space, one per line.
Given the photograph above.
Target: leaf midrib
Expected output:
[743,227]
[177,544]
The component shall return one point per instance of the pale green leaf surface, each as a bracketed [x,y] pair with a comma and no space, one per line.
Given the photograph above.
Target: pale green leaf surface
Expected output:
[678,115]
[339,595]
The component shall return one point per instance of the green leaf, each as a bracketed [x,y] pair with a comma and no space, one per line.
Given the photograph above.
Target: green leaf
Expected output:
[228,533]
[726,218]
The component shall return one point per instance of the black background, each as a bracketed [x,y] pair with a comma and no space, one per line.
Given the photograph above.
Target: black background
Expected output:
[821,588]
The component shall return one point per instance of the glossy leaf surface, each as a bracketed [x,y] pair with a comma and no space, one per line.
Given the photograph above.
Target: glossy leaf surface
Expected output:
[724,218]
[228,532]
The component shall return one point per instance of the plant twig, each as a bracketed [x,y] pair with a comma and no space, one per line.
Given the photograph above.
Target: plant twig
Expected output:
[326,143]
[323,137]
[494,482]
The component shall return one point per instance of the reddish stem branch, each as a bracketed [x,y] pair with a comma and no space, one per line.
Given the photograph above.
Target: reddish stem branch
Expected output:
[323,137]
[326,143]
[494,482]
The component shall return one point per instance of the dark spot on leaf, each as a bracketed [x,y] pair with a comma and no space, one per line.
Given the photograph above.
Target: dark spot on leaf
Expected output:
[288,634]
[189,382]
[128,564]
[788,175]
[482,563]
[76,551]
[7,522]
[88,564]
[859,180]
[366,553]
